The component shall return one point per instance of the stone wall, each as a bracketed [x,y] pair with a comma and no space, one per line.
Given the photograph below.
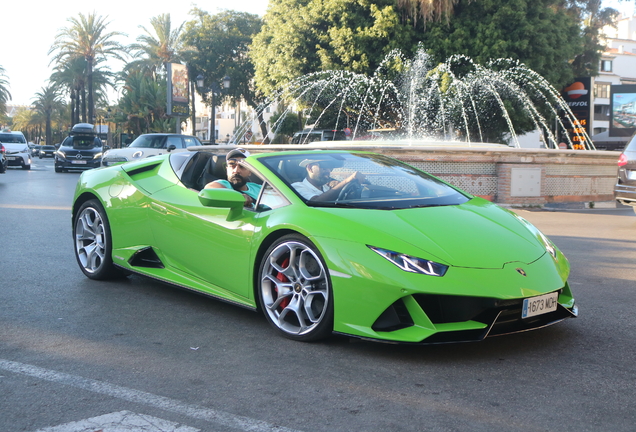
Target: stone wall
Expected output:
[499,173]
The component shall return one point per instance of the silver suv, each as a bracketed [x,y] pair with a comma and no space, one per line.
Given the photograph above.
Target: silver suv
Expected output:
[625,189]
[17,149]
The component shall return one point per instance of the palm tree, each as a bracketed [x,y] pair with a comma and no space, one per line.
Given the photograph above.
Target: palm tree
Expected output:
[154,51]
[5,96]
[87,38]
[46,102]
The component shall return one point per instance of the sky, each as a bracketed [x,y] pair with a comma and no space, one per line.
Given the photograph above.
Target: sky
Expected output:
[29,28]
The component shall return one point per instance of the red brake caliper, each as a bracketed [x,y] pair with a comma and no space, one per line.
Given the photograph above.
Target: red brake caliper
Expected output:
[281,277]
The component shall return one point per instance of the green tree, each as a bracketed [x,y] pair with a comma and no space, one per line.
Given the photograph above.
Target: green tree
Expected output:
[69,78]
[157,47]
[218,45]
[543,34]
[305,36]
[5,96]
[46,102]
[142,106]
[27,121]
[87,37]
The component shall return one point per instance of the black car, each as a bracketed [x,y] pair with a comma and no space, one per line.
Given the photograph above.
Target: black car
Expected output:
[35,150]
[625,189]
[46,151]
[3,160]
[81,150]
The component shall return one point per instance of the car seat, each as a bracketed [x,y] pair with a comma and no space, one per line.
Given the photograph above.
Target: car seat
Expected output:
[193,170]
[214,169]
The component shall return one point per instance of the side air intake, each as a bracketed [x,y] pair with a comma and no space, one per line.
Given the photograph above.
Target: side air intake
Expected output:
[145,257]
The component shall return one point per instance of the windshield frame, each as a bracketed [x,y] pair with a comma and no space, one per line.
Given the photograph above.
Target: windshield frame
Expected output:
[412,187]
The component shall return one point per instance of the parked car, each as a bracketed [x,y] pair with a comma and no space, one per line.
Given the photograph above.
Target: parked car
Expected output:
[81,150]
[47,151]
[310,135]
[16,149]
[399,257]
[35,150]
[625,188]
[148,145]
[3,160]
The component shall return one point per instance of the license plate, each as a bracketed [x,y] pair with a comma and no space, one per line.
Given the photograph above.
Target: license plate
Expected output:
[11,158]
[79,162]
[631,175]
[539,305]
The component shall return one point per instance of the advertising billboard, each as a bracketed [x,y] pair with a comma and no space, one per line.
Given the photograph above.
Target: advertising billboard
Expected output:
[577,95]
[623,110]
[178,94]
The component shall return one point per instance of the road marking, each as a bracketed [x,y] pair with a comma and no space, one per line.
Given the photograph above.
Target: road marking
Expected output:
[122,421]
[140,397]
[34,207]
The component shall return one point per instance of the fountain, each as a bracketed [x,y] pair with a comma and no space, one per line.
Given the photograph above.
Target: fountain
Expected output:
[455,101]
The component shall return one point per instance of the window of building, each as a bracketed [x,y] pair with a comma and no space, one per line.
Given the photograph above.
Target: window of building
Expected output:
[606,65]
[601,90]
[601,112]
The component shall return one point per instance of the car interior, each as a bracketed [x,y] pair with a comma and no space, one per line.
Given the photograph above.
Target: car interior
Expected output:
[205,167]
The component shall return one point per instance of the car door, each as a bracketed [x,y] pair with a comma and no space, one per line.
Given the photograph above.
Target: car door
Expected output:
[199,241]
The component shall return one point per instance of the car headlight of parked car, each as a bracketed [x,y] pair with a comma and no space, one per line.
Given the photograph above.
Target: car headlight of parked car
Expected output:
[412,264]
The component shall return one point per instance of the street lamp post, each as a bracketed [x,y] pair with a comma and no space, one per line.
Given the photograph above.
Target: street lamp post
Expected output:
[213,89]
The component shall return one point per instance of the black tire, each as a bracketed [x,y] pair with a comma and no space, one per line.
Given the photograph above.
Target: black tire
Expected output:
[93,243]
[294,289]
[26,167]
[58,169]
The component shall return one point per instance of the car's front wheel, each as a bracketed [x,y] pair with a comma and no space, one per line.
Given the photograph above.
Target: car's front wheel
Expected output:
[93,242]
[294,289]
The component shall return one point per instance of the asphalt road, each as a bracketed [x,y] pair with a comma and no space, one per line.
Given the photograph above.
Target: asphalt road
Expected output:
[81,355]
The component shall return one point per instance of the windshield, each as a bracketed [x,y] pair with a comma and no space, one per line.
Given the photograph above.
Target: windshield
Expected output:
[82,142]
[149,141]
[325,180]
[10,138]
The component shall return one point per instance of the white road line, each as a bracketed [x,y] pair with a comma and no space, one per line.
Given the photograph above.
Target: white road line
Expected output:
[122,421]
[140,397]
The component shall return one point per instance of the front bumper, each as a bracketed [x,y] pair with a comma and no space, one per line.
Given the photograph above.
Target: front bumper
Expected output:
[74,164]
[18,160]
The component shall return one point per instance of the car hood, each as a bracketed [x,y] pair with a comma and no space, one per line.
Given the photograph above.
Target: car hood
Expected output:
[128,152]
[477,234]
[16,147]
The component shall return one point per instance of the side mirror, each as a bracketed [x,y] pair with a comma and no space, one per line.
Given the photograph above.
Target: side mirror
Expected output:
[171,147]
[223,198]
[106,147]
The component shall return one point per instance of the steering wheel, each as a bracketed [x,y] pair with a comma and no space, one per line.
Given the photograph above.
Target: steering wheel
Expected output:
[350,190]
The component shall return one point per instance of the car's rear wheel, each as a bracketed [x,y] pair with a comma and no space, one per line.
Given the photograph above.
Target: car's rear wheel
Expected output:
[294,289]
[93,242]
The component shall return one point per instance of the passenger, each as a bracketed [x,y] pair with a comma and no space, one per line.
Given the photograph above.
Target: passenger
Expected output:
[237,175]
[318,184]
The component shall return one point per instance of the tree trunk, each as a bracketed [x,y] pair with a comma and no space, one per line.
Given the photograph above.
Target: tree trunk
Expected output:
[193,116]
[49,137]
[263,126]
[89,81]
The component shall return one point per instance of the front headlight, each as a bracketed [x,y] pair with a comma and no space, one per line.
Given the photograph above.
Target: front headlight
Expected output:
[61,154]
[412,264]
[97,155]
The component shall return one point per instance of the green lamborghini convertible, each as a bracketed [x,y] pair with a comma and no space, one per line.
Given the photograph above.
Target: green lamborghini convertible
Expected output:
[380,251]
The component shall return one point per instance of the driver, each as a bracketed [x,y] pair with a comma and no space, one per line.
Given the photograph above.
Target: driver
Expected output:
[237,175]
[318,184]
